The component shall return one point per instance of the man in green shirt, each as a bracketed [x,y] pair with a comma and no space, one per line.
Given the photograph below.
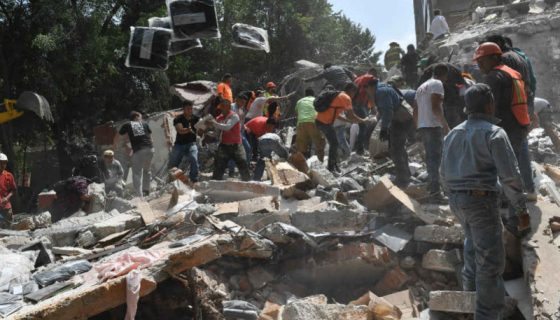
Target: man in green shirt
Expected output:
[307,132]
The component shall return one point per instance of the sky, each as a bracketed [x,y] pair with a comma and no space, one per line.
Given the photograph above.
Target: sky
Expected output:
[389,20]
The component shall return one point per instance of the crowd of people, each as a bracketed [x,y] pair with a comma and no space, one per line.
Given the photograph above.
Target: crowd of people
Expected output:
[469,145]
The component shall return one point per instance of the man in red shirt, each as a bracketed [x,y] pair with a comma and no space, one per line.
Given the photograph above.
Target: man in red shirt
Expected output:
[7,190]
[256,128]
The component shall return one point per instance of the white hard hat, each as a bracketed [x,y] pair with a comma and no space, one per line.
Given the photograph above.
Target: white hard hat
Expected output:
[3,157]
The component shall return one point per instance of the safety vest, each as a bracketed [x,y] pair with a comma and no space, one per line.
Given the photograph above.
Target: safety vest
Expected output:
[233,136]
[519,105]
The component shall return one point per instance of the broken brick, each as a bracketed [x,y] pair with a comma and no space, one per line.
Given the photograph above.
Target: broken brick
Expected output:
[391,282]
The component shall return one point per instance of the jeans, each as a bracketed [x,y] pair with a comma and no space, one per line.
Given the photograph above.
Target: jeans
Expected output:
[227,152]
[254,142]
[189,150]
[432,138]
[307,134]
[525,168]
[6,217]
[259,168]
[342,141]
[142,170]
[363,137]
[397,148]
[330,134]
[484,252]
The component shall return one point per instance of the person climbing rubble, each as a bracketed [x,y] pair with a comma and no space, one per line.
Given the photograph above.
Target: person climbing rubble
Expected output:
[71,196]
[140,136]
[113,173]
[256,128]
[475,154]
[185,142]
[511,103]
[7,190]
[363,107]
[336,76]
[439,27]
[393,56]
[396,123]
[306,130]
[230,147]
[432,126]
[409,63]
[339,106]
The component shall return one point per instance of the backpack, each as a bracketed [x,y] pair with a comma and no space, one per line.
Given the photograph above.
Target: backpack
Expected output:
[324,100]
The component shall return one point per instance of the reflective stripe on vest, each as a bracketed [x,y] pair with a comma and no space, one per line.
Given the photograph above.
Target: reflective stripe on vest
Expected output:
[519,106]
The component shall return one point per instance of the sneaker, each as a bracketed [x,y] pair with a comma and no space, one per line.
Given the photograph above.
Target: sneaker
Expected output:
[532,196]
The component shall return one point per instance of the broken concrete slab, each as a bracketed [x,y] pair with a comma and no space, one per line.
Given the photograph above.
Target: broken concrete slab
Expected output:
[229,191]
[453,301]
[288,175]
[440,234]
[392,237]
[350,264]
[69,251]
[442,261]
[118,223]
[403,301]
[145,210]
[391,282]
[321,176]
[331,220]
[258,205]
[308,310]
[385,193]
[518,289]
[541,259]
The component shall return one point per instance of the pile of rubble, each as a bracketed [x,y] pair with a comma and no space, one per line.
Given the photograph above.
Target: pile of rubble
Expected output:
[305,244]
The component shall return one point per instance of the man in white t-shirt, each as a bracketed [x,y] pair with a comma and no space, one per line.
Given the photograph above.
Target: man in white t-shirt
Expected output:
[432,125]
[439,26]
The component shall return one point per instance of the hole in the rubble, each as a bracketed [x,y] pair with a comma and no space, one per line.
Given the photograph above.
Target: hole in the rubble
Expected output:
[170,301]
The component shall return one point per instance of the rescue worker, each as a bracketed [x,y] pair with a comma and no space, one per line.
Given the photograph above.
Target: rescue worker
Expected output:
[270,90]
[432,126]
[113,173]
[336,76]
[306,131]
[230,143]
[341,106]
[185,141]
[393,56]
[396,123]
[7,190]
[439,27]
[224,88]
[475,154]
[363,106]
[140,136]
[409,64]
[510,98]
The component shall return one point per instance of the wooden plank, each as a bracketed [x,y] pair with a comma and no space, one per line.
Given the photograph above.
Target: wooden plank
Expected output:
[148,214]
[541,258]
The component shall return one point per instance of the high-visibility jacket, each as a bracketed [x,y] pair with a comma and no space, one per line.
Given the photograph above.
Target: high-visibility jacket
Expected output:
[519,106]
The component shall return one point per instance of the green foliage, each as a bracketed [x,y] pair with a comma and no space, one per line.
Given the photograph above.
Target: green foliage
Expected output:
[73,52]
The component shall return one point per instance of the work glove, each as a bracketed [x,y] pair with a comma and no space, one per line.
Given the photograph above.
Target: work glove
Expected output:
[384,134]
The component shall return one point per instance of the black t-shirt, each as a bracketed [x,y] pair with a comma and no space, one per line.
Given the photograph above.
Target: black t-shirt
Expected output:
[187,123]
[139,134]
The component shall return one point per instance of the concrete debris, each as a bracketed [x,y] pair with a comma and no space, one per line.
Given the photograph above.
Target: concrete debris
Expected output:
[440,234]
[452,301]
[443,261]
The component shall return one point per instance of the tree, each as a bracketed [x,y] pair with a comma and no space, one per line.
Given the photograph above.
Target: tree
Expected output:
[73,53]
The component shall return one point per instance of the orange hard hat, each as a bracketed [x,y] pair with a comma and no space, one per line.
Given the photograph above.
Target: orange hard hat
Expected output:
[487,49]
[271,85]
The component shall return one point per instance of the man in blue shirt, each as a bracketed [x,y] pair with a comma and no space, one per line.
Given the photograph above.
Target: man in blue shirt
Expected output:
[396,122]
[475,154]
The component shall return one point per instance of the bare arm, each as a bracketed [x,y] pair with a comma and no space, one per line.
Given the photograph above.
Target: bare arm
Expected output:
[230,123]
[182,130]
[286,97]
[437,109]
[415,113]
[352,117]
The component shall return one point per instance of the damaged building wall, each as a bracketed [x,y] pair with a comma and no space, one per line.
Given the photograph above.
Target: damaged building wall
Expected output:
[535,34]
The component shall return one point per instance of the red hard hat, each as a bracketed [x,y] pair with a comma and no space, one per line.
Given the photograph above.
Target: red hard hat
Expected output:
[271,85]
[487,49]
